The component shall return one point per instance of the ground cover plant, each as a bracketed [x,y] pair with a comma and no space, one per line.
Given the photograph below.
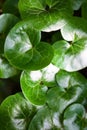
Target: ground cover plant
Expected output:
[43,46]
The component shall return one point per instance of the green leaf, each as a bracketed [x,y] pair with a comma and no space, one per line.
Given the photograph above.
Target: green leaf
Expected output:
[75,26]
[70,57]
[32,87]
[75,118]
[10,6]
[48,75]
[16,113]
[7,21]
[66,80]
[45,15]
[24,50]
[6,70]
[35,84]
[45,119]
[84,9]
[76,4]
[58,99]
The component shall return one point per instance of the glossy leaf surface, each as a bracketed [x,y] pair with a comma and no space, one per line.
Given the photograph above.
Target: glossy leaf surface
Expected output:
[75,118]
[75,26]
[45,15]
[7,21]
[66,80]
[6,70]
[70,57]
[45,119]
[35,84]
[58,98]
[24,50]
[16,113]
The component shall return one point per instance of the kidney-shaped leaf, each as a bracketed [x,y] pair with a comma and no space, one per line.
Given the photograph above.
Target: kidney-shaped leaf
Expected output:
[32,87]
[70,57]
[75,118]
[58,98]
[75,26]
[24,50]
[35,84]
[66,80]
[45,15]
[16,113]
[45,119]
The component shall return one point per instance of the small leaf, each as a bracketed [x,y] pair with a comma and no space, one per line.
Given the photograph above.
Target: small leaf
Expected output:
[75,26]
[35,84]
[58,99]
[45,119]
[75,118]
[70,57]
[16,113]
[33,88]
[66,79]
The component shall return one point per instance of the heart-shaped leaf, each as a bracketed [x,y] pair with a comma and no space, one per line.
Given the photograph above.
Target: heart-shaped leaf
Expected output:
[58,99]
[70,57]
[75,118]
[24,50]
[32,87]
[66,79]
[76,26]
[35,84]
[45,119]
[45,15]
[16,113]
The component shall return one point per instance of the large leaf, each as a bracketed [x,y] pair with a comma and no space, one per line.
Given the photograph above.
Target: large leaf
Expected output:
[45,119]
[24,50]
[76,26]
[75,118]
[6,70]
[46,15]
[58,98]
[16,113]
[35,84]
[70,57]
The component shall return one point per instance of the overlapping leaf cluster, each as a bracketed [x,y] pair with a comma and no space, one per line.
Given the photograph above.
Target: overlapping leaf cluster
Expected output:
[54,93]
